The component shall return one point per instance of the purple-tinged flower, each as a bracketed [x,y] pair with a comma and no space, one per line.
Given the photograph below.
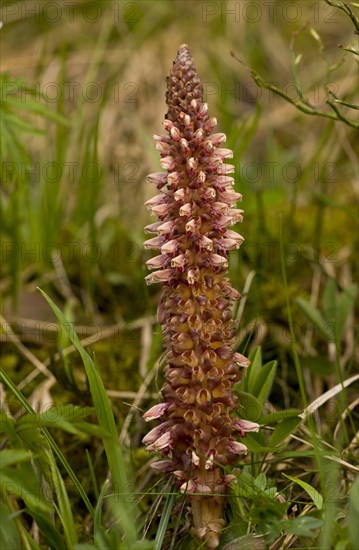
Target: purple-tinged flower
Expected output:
[189,486]
[157,411]
[163,442]
[243,426]
[159,178]
[156,432]
[154,243]
[163,466]
[237,448]
[195,207]
[159,276]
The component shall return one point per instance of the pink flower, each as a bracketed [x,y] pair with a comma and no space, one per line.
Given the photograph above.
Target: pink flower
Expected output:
[230,197]
[218,261]
[152,227]
[161,443]
[168,163]
[237,448]
[193,226]
[229,244]
[205,243]
[155,201]
[166,227]
[241,360]
[163,466]
[169,247]
[154,243]
[186,209]
[173,178]
[179,262]
[189,486]
[159,178]
[157,411]
[157,262]
[154,434]
[217,139]
[209,462]
[175,133]
[243,426]
[195,459]
[158,276]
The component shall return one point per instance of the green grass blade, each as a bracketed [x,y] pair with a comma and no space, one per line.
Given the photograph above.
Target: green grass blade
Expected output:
[9,383]
[67,518]
[313,493]
[283,430]
[99,530]
[264,381]
[253,370]
[15,482]
[10,457]
[92,475]
[353,512]
[106,421]
[163,526]
[53,537]
[9,534]
[316,318]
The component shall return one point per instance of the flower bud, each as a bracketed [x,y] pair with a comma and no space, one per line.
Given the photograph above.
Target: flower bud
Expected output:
[156,432]
[175,133]
[203,110]
[152,228]
[243,426]
[154,243]
[166,227]
[237,448]
[169,247]
[185,148]
[159,276]
[161,443]
[168,163]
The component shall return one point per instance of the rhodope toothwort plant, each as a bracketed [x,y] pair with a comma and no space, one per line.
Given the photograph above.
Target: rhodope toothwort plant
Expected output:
[197,434]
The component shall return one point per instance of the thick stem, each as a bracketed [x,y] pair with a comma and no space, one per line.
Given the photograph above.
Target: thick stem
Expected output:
[207,511]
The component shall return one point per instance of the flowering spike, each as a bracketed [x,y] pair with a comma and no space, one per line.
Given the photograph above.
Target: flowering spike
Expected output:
[197,433]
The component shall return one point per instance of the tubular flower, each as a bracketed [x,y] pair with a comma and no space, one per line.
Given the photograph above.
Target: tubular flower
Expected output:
[195,207]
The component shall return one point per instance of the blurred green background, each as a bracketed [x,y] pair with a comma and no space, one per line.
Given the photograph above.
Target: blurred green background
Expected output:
[82,93]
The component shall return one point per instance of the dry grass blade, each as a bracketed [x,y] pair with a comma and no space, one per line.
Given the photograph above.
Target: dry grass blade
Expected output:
[246,288]
[344,415]
[124,437]
[130,394]
[291,538]
[40,367]
[98,336]
[146,341]
[63,280]
[319,401]
[342,462]
[247,542]
[354,444]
